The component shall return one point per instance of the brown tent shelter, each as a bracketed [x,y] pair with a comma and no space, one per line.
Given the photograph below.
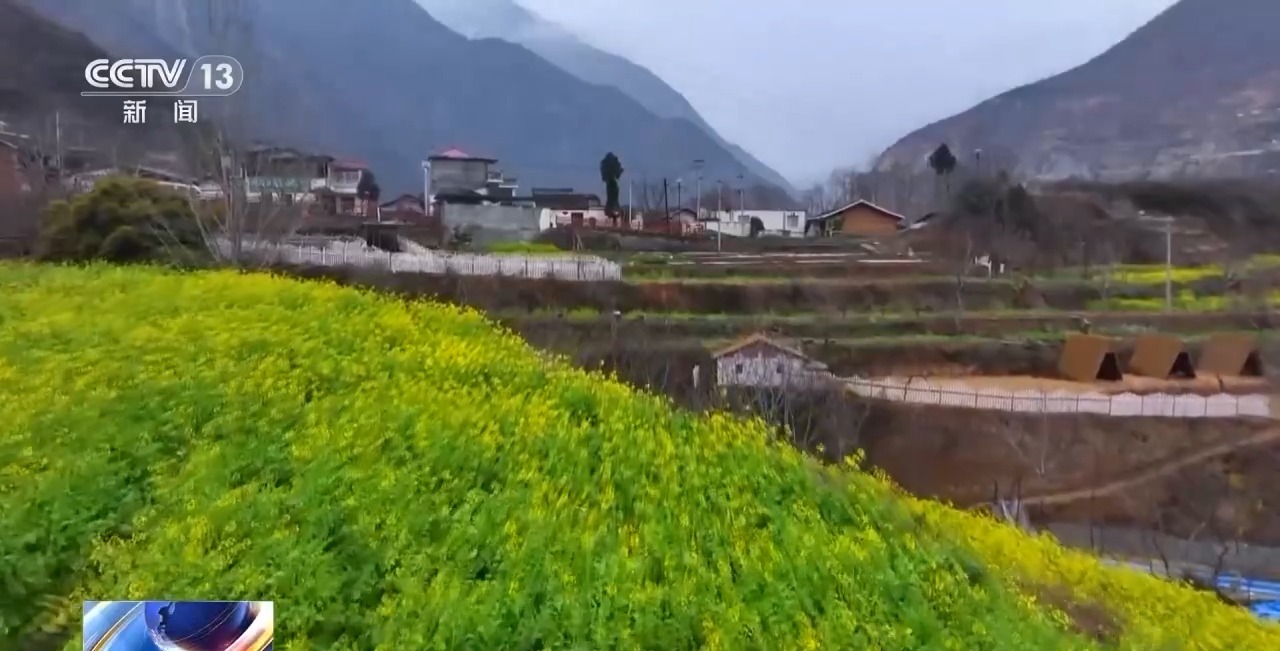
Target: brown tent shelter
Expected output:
[1088,358]
[1231,354]
[1161,356]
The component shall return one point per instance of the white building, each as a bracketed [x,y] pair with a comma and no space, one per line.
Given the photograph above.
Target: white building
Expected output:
[569,208]
[738,223]
[758,361]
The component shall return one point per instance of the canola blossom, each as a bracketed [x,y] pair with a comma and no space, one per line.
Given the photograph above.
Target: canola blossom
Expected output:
[409,476]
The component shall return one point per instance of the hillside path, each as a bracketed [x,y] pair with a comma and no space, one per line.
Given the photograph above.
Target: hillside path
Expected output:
[1169,466]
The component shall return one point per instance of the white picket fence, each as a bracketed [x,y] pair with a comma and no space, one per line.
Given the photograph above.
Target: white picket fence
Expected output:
[1061,402]
[350,253]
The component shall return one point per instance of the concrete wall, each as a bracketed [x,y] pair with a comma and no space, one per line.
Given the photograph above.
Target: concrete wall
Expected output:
[786,223]
[489,224]
[565,217]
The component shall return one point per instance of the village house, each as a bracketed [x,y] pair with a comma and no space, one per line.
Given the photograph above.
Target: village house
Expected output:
[14,170]
[754,223]
[406,207]
[681,221]
[454,173]
[500,186]
[290,176]
[760,362]
[410,210]
[860,218]
[569,208]
[339,191]
[467,194]
[282,175]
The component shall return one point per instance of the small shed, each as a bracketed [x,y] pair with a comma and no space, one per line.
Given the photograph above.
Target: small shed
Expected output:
[1231,354]
[758,361]
[1161,356]
[1089,358]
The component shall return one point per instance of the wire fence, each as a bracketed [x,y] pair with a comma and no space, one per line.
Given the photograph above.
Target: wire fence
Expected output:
[351,253]
[1220,405]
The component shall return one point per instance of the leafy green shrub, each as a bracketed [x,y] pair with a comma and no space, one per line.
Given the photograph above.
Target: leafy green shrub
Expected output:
[433,483]
[123,219]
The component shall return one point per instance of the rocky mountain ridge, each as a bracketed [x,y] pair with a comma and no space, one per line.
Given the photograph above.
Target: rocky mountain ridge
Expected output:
[1193,93]
[509,21]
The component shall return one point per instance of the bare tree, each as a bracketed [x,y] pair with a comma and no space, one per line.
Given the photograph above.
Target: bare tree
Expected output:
[963,266]
[250,194]
[1040,449]
[818,417]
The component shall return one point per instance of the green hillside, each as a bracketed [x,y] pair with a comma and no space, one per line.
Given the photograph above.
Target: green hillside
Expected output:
[405,476]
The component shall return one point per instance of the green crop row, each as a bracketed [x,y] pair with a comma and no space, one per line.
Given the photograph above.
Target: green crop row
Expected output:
[406,476]
[1185,300]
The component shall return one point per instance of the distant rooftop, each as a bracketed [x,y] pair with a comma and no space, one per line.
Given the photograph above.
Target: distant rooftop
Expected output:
[349,164]
[454,153]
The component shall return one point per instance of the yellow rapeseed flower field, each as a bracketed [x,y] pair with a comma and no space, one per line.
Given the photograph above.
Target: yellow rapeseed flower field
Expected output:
[408,476]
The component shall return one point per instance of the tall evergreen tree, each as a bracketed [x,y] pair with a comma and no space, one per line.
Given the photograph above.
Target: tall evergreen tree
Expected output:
[943,163]
[610,171]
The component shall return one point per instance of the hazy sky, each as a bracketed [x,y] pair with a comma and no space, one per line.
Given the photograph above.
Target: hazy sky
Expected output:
[809,85]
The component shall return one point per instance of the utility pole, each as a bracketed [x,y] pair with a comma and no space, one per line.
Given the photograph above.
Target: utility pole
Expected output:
[741,207]
[631,209]
[719,213]
[1168,255]
[426,187]
[666,204]
[697,206]
[679,192]
[697,166]
[57,145]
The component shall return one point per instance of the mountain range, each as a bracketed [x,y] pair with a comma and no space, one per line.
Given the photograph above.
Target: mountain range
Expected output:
[1194,92]
[387,83]
[509,21]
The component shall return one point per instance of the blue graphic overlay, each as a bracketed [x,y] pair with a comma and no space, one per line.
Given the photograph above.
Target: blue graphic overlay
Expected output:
[178,626]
